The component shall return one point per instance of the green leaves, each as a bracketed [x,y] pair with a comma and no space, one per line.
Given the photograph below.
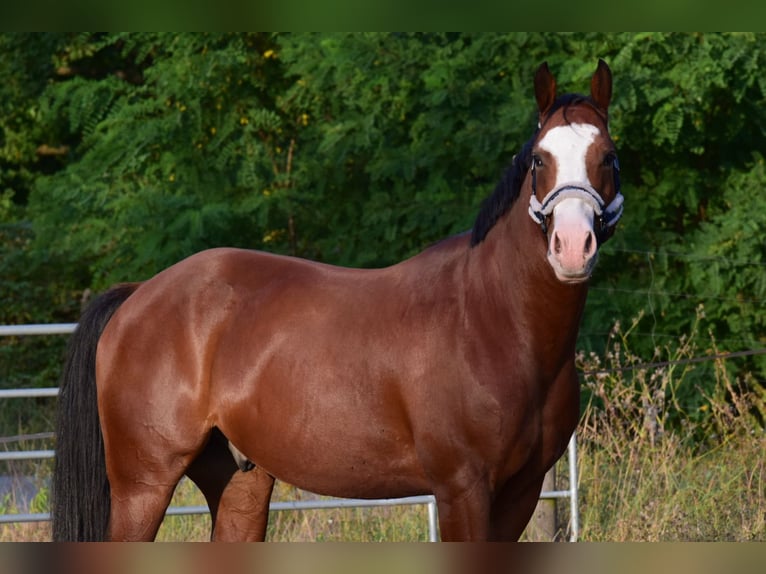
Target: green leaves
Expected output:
[126,152]
[688,131]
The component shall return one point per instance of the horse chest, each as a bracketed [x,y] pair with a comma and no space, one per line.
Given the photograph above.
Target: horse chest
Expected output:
[526,422]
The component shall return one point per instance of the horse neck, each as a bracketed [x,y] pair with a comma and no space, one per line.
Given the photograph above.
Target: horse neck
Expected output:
[512,277]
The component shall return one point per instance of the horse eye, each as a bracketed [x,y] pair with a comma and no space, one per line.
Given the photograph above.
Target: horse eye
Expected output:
[537,161]
[609,160]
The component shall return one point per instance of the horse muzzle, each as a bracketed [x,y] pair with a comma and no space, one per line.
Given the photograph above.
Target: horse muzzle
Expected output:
[572,243]
[581,223]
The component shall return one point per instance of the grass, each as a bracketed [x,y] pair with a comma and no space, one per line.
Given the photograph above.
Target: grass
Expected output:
[659,459]
[14,502]
[391,524]
[654,467]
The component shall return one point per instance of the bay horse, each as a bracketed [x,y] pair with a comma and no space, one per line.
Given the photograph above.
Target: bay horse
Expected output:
[449,373]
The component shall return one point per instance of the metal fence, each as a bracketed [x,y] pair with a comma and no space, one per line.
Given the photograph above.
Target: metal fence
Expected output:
[67,328]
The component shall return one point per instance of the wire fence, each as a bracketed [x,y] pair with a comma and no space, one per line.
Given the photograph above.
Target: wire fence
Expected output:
[672,362]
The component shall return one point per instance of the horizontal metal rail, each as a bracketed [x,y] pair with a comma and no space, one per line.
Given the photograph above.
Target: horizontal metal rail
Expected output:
[26,454]
[319,504]
[49,329]
[29,393]
[68,328]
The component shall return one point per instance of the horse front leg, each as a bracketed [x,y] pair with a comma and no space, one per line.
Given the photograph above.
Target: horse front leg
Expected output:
[464,511]
[243,509]
[212,471]
[512,510]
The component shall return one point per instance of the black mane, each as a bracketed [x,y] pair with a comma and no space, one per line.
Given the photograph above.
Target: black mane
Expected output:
[504,195]
[508,189]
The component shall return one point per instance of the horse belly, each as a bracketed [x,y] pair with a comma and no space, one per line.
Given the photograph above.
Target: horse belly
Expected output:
[329,434]
[331,457]
[358,475]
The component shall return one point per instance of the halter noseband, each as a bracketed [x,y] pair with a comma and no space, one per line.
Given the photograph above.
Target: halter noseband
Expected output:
[607,216]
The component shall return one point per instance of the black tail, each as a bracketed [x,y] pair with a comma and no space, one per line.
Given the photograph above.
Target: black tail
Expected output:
[80,490]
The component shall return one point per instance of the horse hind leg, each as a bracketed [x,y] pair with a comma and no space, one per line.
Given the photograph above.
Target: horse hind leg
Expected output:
[143,474]
[139,502]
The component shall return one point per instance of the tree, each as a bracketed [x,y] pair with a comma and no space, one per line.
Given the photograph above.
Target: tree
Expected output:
[126,152]
[689,121]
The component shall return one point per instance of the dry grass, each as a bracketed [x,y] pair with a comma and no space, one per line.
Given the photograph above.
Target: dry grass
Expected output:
[652,469]
[392,524]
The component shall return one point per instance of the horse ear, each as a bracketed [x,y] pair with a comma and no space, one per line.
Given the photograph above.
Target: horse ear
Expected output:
[545,88]
[601,86]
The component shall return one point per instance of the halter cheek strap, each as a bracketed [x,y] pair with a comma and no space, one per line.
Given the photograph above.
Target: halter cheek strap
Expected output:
[607,216]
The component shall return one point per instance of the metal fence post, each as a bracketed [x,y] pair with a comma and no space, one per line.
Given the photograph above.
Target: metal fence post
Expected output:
[433,526]
[574,509]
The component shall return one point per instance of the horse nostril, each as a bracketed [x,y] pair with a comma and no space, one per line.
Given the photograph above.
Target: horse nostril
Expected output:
[556,243]
[588,243]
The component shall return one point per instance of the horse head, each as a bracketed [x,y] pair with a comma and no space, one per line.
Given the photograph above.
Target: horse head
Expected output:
[574,174]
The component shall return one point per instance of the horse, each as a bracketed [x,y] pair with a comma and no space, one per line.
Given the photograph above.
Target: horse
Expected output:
[451,373]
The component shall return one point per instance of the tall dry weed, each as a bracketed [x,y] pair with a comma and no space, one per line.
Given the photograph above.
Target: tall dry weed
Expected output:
[657,468]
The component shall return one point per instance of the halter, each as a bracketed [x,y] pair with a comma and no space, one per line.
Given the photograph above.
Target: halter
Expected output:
[607,216]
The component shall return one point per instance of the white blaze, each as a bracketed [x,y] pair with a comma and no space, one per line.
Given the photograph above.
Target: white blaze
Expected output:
[568,145]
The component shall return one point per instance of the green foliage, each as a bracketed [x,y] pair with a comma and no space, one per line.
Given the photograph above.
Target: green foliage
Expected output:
[173,146]
[689,116]
[400,109]
[123,153]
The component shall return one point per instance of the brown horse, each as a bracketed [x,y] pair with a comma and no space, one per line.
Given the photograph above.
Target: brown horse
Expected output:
[450,373]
